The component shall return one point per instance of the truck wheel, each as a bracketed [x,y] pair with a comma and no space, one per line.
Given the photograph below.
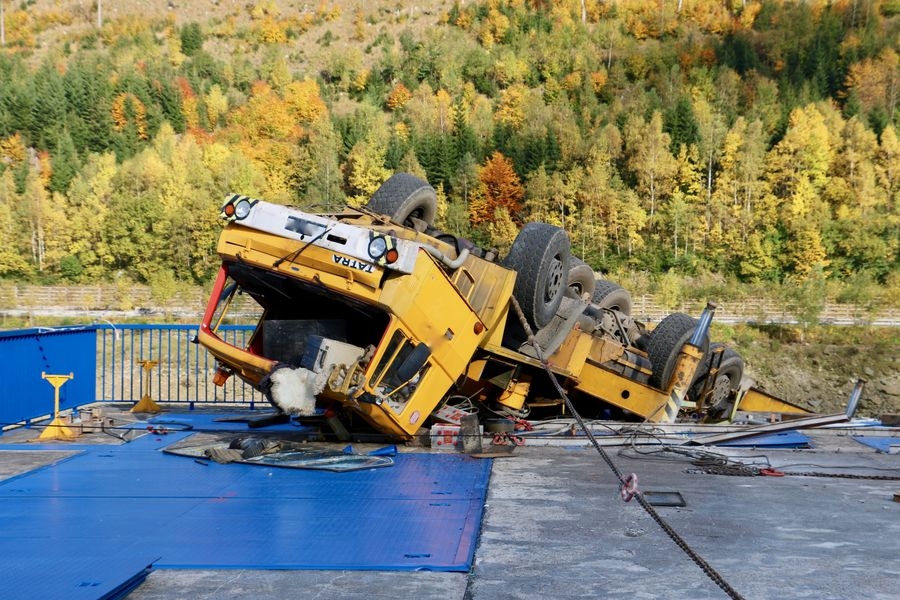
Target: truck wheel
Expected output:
[613,296]
[540,256]
[728,378]
[404,197]
[581,278]
[666,341]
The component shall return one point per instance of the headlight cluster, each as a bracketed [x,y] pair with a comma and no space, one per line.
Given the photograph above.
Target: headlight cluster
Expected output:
[237,208]
[382,250]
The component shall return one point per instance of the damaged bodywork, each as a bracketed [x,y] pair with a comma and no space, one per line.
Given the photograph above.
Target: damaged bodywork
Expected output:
[374,316]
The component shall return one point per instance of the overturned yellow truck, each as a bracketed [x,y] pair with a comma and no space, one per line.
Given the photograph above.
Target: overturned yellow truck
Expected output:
[376,317]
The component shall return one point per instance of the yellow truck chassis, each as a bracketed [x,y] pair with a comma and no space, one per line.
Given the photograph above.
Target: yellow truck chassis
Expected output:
[381,317]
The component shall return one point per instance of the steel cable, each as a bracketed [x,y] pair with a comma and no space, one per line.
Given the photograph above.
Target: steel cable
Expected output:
[675,537]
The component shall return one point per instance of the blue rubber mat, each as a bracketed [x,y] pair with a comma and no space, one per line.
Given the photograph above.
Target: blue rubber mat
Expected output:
[136,502]
[882,444]
[784,439]
[32,568]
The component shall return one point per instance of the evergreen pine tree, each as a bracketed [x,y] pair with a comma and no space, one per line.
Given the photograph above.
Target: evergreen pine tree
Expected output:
[49,107]
[191,39]
[65,163]
[681,124]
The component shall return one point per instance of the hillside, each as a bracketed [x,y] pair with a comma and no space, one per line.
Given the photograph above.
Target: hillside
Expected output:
[690,150]
[758,141]
[820,372]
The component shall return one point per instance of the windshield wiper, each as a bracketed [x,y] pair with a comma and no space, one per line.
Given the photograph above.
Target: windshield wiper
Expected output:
[292,256]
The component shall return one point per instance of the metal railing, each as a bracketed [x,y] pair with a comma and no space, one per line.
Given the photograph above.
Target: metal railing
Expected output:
[113,363]
[183,370]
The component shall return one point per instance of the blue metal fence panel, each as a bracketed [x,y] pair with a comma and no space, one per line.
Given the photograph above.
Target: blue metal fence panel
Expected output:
[27,353]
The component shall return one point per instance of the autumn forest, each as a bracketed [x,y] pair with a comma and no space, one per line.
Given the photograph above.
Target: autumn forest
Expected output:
[756,141]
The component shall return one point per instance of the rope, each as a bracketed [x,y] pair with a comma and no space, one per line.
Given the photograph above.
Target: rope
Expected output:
[629,485]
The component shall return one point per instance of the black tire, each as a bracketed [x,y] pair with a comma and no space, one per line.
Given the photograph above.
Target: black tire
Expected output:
[728,378]
[404,197]
[581,278]
[666,341]
[612,295]
[540,256]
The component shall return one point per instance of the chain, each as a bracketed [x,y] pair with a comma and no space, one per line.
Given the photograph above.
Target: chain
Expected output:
[625,483]
[843,475]
[749,471]
[739,470]
[735,470]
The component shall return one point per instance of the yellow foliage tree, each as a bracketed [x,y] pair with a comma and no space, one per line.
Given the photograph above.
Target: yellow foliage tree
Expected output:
[445,110]
[216,104]
[12,150]
[365,168]
[598,80]
[398,97]
[305,101]
[501,188]
[502,231]
[328,11]
[270,30]
[361,79]
[649,157]
[265,115]
[126,107]
[511,110]
[876,82]
[189,104]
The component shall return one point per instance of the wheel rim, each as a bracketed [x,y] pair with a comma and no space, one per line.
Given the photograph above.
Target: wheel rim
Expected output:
[555,280]
[720,392]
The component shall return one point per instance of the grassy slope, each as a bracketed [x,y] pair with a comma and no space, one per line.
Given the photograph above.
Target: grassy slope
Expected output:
[820,370]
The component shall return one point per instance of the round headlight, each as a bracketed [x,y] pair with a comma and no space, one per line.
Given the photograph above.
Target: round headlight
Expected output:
[377,247]
[242,209]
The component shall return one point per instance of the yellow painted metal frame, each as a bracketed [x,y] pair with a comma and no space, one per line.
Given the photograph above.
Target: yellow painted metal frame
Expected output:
[656,406]
[755,400]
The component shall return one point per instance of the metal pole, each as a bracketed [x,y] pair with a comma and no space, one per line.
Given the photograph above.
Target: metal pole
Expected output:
[703,327]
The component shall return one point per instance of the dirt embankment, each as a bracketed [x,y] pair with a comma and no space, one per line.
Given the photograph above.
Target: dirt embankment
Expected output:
[820,373]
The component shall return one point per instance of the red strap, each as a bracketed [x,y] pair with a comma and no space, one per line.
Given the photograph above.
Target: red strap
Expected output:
[771,472]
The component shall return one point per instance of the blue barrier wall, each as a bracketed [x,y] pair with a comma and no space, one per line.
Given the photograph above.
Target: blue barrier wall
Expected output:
[26,353]
[106,363]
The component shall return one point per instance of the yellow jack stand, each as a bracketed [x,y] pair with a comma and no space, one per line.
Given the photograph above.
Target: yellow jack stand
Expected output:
[146,403]
[57,429]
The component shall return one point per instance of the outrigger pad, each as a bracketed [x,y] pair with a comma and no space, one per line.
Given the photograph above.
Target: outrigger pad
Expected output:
[882,444]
